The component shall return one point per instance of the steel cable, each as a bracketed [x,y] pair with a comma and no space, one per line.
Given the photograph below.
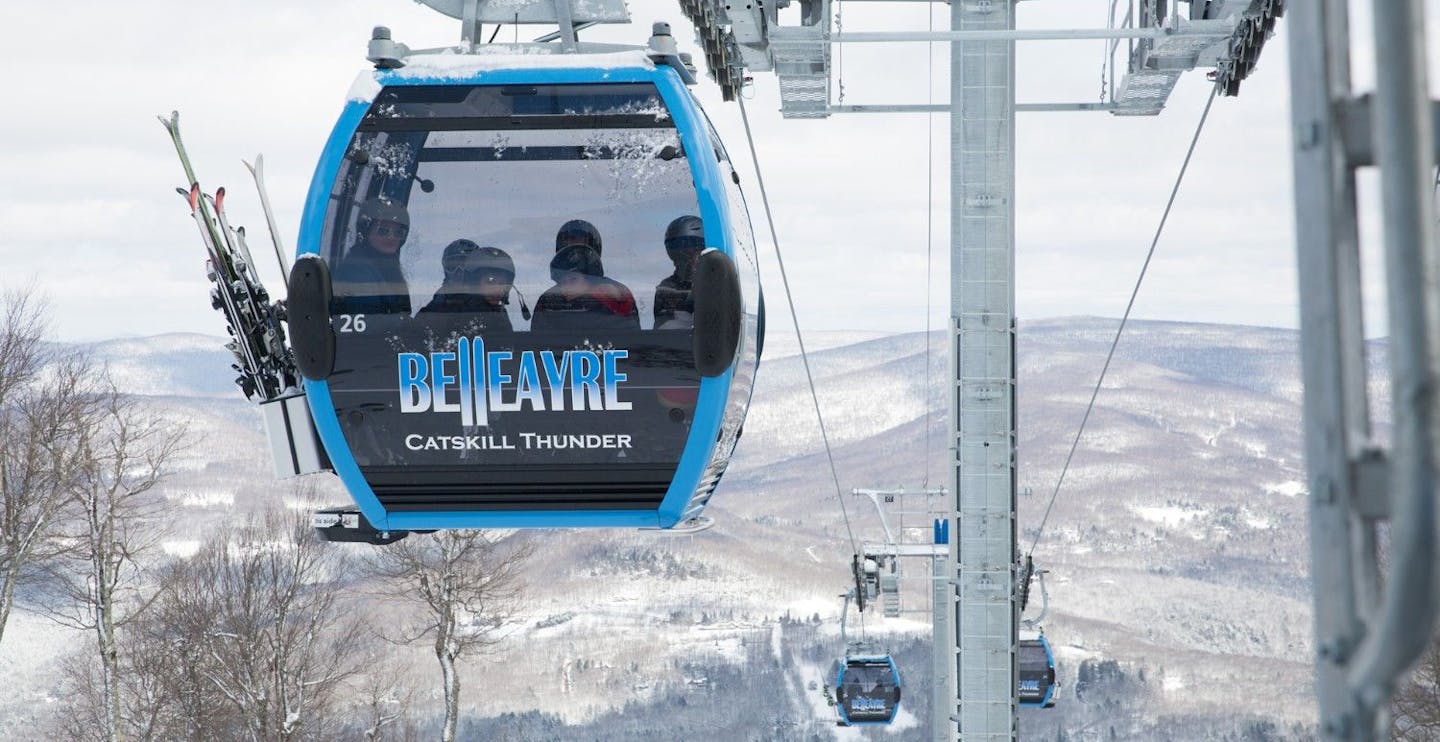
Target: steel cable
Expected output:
[800,339]
[1124,319]
[795,318]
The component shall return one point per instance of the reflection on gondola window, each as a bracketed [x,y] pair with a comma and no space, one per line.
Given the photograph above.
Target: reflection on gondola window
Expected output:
[505,167]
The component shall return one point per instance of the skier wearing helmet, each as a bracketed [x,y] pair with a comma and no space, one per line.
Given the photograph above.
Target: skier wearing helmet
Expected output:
[478,282]
[582,297]
[369,277]
[674,302]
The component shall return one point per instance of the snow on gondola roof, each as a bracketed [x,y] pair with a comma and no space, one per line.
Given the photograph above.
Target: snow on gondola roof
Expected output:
[453,65]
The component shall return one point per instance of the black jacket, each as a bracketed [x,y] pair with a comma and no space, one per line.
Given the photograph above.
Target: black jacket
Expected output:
[367,281]
[673,295]
[607,305]
[465,313]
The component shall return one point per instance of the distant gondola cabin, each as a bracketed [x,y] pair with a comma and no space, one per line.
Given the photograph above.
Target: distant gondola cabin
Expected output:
[1035,668]
[867,690]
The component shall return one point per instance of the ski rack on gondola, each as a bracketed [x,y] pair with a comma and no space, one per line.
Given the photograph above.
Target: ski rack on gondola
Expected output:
[263,361]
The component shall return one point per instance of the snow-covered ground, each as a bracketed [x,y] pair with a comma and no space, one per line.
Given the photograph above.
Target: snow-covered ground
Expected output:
[1175,548]
[31,654]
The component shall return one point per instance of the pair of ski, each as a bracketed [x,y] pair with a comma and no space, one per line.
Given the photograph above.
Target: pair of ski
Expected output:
[262,358]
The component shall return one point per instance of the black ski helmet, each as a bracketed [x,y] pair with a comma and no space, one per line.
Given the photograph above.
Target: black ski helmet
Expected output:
[580,259]
[577,231]
[686,231]
[494,259]
[380,210]
[456,255]
[464,255]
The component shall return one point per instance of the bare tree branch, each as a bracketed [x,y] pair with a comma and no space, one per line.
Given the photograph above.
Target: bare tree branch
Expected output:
[467,587]
[258,618]
[46,401]
[121,454]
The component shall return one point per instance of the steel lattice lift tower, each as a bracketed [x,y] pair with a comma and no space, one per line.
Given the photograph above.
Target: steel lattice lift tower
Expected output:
[1165,42]
[1369,630]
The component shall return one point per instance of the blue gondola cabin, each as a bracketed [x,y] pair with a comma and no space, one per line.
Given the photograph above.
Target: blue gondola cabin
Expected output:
[533,291]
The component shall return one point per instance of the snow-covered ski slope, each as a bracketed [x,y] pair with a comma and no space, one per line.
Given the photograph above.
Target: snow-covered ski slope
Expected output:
[1176,549]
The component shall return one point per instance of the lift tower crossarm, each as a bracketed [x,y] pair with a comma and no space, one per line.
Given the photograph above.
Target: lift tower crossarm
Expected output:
[906,550]
[874,496]
[571,16]
[933,108]
[1215,30]
[1224,34]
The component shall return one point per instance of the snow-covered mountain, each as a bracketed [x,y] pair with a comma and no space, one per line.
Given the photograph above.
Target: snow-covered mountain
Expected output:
[177,364]
[1176,547]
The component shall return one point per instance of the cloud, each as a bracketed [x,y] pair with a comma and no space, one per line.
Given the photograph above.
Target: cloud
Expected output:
[87,167]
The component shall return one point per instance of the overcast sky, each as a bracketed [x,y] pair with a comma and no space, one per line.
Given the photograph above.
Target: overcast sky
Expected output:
[90,217]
